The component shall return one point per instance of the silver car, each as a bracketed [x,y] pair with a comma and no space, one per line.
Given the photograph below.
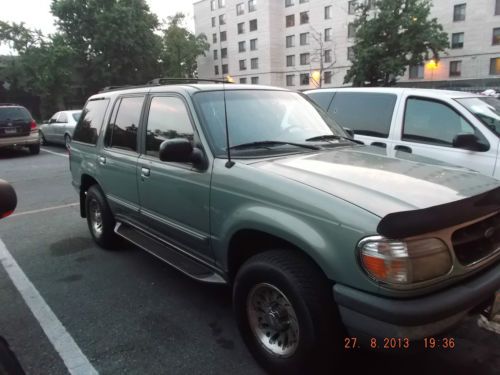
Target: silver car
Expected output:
[60,127]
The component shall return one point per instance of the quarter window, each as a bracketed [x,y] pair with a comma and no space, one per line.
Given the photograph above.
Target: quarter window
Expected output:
[168,118]
[89,126]
[122,130]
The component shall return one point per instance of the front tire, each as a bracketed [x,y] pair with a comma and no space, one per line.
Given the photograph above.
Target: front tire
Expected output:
[99,218]
[286,315]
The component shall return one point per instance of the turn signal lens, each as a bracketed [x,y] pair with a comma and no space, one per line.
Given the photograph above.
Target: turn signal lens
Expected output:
[404,262]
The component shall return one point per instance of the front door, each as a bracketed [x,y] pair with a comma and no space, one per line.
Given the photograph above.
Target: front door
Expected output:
[60,127]
[174,197]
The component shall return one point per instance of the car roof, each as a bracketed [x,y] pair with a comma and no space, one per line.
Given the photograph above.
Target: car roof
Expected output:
[188,89]
[431,93]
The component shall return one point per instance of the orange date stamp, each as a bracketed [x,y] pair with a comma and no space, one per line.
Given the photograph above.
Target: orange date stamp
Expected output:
[389,343]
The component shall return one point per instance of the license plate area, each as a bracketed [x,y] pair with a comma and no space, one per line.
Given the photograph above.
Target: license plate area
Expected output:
[10,131]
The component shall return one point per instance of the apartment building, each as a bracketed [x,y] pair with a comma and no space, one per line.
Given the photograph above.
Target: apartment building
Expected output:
[288,43]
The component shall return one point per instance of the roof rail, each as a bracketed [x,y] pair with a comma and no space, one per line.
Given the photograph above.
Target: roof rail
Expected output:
[164,81]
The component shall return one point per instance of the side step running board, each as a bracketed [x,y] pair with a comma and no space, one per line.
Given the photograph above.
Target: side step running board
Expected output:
[169,254]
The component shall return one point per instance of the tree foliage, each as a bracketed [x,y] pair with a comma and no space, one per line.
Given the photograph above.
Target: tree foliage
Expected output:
[396,34]
[181,48]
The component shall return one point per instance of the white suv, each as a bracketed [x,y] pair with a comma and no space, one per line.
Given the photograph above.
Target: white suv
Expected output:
[450,126]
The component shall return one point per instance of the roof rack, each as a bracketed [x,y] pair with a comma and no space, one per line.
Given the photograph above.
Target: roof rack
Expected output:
[164,81]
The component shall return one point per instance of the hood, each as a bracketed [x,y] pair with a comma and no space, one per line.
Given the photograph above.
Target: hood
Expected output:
[377,183]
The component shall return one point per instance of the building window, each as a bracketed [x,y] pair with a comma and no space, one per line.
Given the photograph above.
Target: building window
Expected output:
[290,60]
[223,53]
[241,27]
[290,20]
[222,19]
[255,80]
[352,7]
[288,3]
[304,18]
[290,41]
[350,53]
[327,77]
[241,46]
[222,3]
[243,81]
[253,25]
[497,8]
[252,6]
[243,65]
[496,36]
[290,80]
[214,38]
[216,70]
[253,44]
[223,36]
[328,12]
[304,79]
[304,39]
[304,58]
[416,72]
[351,30]
[214,21]
[459,13]
[328,35]
[216,54]
[495,66]
[303,1]
[370,4]
[328,55]
[240,9]
[212,5]
[254,63]
[455,68]
[225,68]
[457,40]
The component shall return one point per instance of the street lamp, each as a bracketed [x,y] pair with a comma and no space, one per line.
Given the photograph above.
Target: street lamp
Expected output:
[432,65]
[316,78]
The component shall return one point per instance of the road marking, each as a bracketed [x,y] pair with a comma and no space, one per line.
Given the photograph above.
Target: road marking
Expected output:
[76,362]
[54,153]
[44,209]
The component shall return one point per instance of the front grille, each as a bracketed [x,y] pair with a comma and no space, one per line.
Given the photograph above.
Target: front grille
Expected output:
[477,241]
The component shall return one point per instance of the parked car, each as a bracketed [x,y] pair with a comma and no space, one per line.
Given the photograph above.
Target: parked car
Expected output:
[454,127]
[18,128]
[320,237]
[60,127]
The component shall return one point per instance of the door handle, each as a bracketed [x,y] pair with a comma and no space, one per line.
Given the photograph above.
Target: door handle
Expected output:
[145,172]
[379,144]
[102,160]
[403,148]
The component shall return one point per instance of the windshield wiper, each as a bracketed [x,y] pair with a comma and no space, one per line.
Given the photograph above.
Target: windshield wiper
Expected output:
[272,143]
[328,137]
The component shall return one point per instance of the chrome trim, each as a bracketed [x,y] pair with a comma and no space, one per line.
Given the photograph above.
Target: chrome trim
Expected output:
[123,203]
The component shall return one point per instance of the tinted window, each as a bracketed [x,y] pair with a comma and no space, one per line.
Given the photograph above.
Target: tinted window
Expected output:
[428,121]
[323,99]
[90,123]
[14,113]
[122,130]
[364,113]
[63,118]
[168,118]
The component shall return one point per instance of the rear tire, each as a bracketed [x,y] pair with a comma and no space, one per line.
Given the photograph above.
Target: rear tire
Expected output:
[293,326]
[34,149]
[99,218]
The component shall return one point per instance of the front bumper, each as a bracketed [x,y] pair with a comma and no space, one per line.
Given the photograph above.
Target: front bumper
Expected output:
[415,318]
[31,139]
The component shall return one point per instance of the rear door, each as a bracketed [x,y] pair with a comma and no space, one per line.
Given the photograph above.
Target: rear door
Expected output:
[59,127]
[14,122]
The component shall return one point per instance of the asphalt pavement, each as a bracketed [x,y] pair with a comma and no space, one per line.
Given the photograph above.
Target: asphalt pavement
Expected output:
[129,313]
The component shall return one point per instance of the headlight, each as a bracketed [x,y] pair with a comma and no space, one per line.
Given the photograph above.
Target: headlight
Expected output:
[404,262]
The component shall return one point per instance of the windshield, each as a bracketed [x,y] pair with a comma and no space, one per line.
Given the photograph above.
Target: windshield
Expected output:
[486,109]
[260,115]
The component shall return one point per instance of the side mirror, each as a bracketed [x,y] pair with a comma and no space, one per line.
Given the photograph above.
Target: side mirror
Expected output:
[349,132]
[180,150]
[8,199]
[468,141]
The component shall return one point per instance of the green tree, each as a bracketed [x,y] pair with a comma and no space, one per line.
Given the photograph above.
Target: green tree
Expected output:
[181,48]
[114,40]
[390,36]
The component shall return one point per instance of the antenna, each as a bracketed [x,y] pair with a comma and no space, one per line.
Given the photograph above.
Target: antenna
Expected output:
[229,163]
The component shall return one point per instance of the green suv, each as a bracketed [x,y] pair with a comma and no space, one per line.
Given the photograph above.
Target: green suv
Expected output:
[321,239]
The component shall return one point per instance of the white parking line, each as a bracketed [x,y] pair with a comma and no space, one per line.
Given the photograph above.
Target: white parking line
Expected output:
[54,153]
[44,209]
[76,362]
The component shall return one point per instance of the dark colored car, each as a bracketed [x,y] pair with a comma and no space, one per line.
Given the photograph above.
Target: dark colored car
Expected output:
[18,128]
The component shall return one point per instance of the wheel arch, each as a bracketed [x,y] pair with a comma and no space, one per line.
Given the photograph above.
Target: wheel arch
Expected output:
[85,183]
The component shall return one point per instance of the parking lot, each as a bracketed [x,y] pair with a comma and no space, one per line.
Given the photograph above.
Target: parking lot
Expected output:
[128,312]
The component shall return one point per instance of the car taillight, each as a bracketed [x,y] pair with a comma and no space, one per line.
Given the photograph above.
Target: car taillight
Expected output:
[33,125]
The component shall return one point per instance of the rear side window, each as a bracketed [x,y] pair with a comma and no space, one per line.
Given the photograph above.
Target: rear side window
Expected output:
[364,113]
[122,130]
[89,126]
[323,99]
[63,118]
[14,113]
